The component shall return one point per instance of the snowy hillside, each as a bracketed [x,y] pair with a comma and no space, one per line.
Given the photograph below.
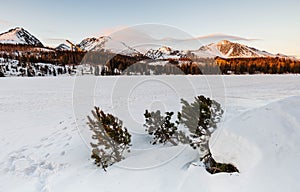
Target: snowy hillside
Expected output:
[42,150]
[19,35]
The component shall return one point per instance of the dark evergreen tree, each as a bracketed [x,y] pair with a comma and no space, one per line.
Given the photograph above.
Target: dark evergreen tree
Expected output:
[30,72]
[96,72]
[1,73]
[54,72]
[65,69]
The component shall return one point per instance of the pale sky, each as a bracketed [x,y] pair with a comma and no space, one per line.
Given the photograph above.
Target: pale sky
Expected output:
[276,24]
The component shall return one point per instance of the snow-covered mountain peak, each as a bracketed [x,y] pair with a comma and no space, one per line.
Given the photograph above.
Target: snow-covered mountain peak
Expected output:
[19,35]
[165,52]
[107,43]
[63,47]
[228,49]
[88,44]
[18,29]
[165,49]
[224,42]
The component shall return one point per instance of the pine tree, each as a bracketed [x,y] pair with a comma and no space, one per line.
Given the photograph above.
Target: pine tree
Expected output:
[96,72]
[54,72]
[112,140]
[1,73]
[201,118]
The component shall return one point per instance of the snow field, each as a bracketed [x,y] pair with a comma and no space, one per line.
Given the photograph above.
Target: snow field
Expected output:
[42,149]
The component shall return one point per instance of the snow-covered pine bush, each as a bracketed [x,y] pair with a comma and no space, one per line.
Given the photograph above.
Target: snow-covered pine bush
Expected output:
[111,138]
[201,118]
[163,128]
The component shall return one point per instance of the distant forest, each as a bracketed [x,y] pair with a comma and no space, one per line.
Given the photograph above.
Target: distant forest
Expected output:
[33,54]
[268,65]
[106,63]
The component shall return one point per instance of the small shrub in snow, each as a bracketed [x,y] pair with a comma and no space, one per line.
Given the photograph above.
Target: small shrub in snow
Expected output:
[112,140]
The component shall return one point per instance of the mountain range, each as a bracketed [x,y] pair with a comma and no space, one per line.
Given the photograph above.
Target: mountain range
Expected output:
[224,49]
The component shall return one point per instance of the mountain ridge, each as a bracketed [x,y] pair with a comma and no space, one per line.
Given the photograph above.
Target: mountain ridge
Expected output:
[224,48]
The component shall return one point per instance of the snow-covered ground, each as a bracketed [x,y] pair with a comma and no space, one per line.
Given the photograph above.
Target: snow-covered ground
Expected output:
[42,149]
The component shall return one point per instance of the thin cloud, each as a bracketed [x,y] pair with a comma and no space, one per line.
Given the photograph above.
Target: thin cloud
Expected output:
[53,42]
[109,31]
[5,22]
[140,40]
[214,37]
[196,42]
[54,39]
[49,31]
[227,37]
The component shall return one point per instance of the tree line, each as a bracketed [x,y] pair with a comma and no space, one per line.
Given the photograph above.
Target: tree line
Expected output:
[33,54]
[266,65]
